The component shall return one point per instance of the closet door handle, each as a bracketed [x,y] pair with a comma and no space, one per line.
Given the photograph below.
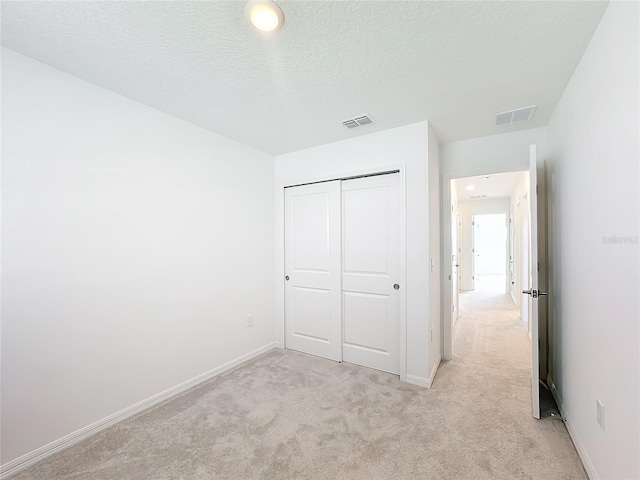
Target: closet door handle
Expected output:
[396,286]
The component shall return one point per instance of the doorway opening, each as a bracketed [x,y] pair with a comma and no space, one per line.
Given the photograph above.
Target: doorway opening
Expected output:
[526,271]
[490,229]
[489,237]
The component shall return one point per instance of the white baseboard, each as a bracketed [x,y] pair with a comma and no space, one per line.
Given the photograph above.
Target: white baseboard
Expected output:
[418,381]
[582,453]
[45,451]
[432,375]
[422,381]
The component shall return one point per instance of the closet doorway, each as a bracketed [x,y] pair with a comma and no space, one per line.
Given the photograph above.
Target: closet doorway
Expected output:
[343,270]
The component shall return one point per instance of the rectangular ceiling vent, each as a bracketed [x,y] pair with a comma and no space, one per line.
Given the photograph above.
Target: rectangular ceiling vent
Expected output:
[520,115]
[359,121]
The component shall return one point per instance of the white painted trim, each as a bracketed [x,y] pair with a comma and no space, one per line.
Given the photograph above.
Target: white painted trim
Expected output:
[421,381]
[434,370]
[45,451]
[280,272]
[418,381]
[403,273]
[582,452]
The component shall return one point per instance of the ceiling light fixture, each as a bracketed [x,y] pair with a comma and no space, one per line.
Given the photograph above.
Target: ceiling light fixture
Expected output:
[470,187]
[264,15]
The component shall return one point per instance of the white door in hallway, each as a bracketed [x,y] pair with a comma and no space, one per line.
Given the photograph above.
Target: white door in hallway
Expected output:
[456,224]
[312,267]
[532,291]
[371,235]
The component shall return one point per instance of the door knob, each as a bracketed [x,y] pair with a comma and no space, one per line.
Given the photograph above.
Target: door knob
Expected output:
[534,293]
[396,286]
[287,278]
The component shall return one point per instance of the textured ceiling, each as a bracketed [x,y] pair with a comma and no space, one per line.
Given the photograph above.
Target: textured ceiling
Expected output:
[452,63]
[498,185]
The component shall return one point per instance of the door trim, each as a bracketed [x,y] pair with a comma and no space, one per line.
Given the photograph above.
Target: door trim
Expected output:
[400,169]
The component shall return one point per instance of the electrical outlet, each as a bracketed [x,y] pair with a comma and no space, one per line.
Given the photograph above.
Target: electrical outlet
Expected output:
[250,321]
[600,413]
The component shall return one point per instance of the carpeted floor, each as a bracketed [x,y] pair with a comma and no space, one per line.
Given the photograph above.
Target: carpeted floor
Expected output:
[293,416]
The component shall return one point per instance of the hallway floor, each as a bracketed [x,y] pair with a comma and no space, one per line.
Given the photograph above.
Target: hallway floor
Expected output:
[291,416]
[490,371]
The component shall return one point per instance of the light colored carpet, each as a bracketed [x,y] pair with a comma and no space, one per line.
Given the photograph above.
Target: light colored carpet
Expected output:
[293,416]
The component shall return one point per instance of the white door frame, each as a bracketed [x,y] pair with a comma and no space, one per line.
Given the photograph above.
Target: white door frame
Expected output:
[280,273]
[445,215]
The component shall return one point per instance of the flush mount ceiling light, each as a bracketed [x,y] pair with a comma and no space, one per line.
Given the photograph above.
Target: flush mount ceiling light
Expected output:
[470,187]
[264,15]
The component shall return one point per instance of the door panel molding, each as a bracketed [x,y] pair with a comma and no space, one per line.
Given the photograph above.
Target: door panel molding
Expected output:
[313,280]
[371,245]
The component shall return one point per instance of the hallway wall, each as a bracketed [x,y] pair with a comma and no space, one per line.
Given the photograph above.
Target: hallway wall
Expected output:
[516,216]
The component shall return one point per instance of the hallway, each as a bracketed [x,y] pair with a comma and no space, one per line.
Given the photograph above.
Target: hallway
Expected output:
[490,377]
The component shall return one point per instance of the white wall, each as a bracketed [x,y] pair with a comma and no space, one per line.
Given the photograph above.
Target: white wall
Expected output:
[134,247]
[594,152]
[467,209]
[405,145]
[505,152]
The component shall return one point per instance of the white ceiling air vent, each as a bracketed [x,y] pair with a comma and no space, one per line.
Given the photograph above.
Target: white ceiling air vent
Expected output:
[520,115]
[359,121]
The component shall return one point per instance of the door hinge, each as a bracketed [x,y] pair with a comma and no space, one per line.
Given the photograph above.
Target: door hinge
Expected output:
[536,189]
[449,277]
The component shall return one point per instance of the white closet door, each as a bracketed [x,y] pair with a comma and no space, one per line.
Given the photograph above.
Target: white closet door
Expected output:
[312,268]
[370,269]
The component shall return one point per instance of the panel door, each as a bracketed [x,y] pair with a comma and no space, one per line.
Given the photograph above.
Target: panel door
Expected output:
[312,268]
[455,267]
[532,290]
[370,267]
